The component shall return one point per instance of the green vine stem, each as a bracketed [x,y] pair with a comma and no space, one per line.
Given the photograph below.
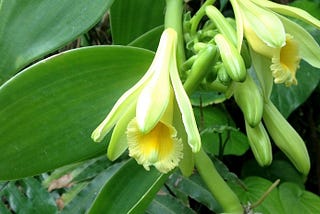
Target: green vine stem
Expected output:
[195,20]
[218,187]
[173,19]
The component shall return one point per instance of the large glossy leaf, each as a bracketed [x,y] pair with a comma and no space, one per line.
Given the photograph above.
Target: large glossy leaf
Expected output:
[30,29]
[288,99]
[48,111]
[279,169]
[130,190]
[148,40]
[166,203]
[131,19]
[296,200]
[83,200]
[27,196]
[194,188]
[214,121]
[251,192]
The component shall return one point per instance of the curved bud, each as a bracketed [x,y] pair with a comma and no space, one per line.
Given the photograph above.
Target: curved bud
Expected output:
[231,58]
[260,144]
[286,138]
[223,76]
[222,24]
[250,101]
[265,24]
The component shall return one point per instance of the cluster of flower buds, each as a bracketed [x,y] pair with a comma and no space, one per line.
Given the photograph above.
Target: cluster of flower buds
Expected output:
[242,57]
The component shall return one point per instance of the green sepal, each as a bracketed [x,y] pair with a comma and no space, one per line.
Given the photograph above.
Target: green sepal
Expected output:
[239,23]
[186,164]
[185,107]
[118,142]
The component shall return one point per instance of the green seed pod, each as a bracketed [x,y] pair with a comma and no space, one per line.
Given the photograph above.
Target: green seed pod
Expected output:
[250,100]
[260,144]
[231,59]
[286,138]
[201,66]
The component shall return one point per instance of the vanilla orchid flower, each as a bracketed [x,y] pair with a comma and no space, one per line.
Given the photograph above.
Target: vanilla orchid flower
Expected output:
[143,116]
[276,37]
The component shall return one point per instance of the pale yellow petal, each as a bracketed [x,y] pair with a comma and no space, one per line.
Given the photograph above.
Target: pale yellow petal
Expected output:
[289,11]
[263,22]
[154,98]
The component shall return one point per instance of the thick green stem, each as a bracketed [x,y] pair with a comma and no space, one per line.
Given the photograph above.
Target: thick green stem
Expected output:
[218,187]
[173,19]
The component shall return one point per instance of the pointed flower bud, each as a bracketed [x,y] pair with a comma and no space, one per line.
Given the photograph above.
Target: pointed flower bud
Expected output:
[222,24]
[286,138]
[265,24]
[260,144]
[231,59]
[249,99]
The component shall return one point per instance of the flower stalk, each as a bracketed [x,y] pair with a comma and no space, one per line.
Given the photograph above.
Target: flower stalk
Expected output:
[217,186]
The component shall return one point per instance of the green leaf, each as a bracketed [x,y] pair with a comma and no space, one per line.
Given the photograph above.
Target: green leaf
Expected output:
[31,29]
[28,196]
[253,189]
[140,17]
[130,190]
[92,168]
[166,203]
[48,111]
[296,200]
[279,169]
[194,188]
[83,200]
[214,121]
[206,98]
[311,7]
[288,99]
[149,40]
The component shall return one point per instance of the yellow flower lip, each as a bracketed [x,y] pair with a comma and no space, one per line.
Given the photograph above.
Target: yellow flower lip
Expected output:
[286,62]
[160,147]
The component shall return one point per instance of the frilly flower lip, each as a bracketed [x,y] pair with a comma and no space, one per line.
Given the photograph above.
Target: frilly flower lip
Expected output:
[143,115]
